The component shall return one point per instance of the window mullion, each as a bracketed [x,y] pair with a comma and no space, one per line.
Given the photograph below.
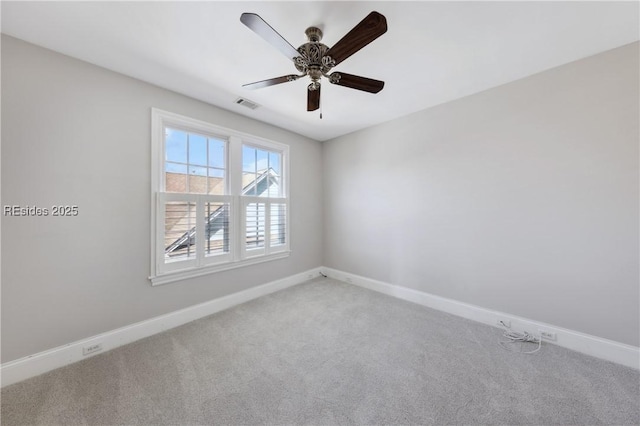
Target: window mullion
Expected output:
[235,165]
[241,217]
[267,226]
[200,234]
[235,189]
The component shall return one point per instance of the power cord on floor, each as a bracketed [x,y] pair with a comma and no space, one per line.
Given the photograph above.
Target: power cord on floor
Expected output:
[515,337]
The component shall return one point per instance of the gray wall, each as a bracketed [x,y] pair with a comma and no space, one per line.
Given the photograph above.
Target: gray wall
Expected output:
[522,199]
[73,133]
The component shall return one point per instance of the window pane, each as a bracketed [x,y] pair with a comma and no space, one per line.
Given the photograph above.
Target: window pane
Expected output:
[197,180]
[255,219]
[216,182]
[248,159]
[217,173]
[268,185]
[216,228]
[176,145]
[175,177]
[179,230]
[216,153]
[175,168]
[262,183]
[249,183]
[261,172]
[274,162]
[278,225]
[262,161]
[197,150]
[197,170]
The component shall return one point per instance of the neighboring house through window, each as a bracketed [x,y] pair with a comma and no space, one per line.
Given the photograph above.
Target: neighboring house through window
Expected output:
[219,198]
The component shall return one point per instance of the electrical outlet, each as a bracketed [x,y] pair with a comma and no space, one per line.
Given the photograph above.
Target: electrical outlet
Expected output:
[310,276]
[503,322]
[349,280]
[547,335]
[87,350]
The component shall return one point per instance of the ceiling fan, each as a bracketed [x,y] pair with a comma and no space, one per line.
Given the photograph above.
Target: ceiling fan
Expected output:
[316,60]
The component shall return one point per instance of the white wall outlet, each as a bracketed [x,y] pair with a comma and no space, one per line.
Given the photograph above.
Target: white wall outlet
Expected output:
[310,276]
[349,280]
[87,350]
[547,335]
[503,322]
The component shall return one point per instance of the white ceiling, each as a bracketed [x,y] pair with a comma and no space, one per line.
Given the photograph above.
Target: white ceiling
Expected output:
[433,52]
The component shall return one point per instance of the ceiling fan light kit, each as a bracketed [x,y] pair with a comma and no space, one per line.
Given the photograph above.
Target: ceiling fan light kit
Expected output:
[315,60]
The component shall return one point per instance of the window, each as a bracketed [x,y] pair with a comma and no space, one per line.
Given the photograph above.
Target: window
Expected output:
[219,198]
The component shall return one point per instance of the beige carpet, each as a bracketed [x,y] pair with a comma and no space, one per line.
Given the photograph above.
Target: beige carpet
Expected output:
[326,353]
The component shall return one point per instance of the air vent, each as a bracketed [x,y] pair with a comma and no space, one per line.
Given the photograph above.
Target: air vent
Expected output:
[247,103]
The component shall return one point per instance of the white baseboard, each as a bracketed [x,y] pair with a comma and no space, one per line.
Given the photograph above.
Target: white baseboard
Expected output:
[590,345]
[33,365]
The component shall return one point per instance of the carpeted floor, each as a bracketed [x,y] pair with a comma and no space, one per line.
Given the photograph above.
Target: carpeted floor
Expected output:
[327,353]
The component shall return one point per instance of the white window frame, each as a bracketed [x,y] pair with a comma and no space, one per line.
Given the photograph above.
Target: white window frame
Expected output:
[163,272]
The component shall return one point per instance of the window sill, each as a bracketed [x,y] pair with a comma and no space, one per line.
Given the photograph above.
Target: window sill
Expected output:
[184,274]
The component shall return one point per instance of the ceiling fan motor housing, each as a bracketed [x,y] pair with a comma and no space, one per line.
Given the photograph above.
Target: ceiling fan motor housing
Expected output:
[312,60]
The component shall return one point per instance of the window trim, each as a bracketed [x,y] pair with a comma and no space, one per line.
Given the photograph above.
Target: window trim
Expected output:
[237,258]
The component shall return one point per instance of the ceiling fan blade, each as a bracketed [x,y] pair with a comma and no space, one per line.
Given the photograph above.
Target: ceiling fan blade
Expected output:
[369,29]
[256,24]
[356,82]
[313,99]
[271,82]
